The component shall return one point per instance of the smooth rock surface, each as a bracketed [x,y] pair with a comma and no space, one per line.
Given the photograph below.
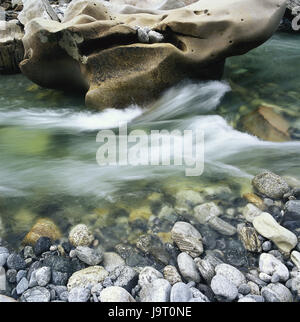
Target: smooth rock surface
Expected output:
[192,50]
[180,292]
[115,294]
[276,293]
[157,291]
[270,265]
[267,226]
[188,268]
[223,288]
[231,273]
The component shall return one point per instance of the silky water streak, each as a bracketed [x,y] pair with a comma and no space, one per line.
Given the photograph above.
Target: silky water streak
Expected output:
[157,148]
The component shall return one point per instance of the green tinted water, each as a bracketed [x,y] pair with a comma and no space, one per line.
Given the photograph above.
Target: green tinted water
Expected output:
[48,145]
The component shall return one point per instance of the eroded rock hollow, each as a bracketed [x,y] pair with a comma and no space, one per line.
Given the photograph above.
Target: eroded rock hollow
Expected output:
[121,54]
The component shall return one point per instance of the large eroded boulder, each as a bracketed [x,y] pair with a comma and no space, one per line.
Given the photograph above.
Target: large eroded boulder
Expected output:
[130,57]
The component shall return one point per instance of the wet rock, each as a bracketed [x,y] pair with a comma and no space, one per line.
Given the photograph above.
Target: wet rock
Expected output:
[206,211]
[295,257]
[180,292]
[249,238]
[115,294]
[43,275]
[42,245]
[112,260]
[79,294]
[87,277]
[276,293]
[88,255]
[223,288]
[188,268]
[171,274]
[292,209]
[266,124]
[267,226]
[208,214]
[231,274]
[151,244]
[222,226]
[80,235]
[42,228]
[132,256]
[270,265]
[250,212]
[15,261]
[157,291]
[124,276]
[254,199]
[187,238]
[4,253]
[186,200]
[270,185]
[62,264]
[206,269]
[37,294]
[148,275]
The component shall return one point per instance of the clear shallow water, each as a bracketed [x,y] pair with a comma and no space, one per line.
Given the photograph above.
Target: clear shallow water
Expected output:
[48,142]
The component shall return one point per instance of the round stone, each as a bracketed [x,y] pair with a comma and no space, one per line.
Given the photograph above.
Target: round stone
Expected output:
[80,235]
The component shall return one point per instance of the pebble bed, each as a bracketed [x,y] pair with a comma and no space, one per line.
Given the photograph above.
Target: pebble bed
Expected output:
[204,262]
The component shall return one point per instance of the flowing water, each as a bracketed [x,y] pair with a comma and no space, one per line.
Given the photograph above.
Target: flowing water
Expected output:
[48,144]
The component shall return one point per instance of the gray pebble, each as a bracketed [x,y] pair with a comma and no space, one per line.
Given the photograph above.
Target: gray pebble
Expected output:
[11,275]
[88,255]
[244,289]
[79,294]
[266,246]
[43,275]
[20,275]
[180,292]
[22,286]
[15,261]
[37,294]
[223,288]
